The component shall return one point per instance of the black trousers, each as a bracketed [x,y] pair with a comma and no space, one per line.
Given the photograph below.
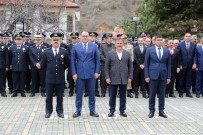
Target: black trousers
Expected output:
[70,82]
[19,79]
[185,80]
[113,92]
[59,88]
[2,80]
[103,81]
[38,79]
[170,86]
[28,80]
[9,80]
[139,80]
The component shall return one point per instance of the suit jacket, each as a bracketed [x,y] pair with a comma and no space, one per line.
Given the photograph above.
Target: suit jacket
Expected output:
[119,71]
[175,60]
[187,58]
[155,67]
[19,58]
[139,57]
[35,55]
[55,65]
[198,59]
[3,57]
[85,64]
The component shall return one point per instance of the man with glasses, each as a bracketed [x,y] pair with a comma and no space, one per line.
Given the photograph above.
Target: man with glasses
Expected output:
[55,60]
[19,61]
[85,67]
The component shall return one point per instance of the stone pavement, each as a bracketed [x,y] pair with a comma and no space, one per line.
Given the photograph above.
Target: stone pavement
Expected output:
[25,116]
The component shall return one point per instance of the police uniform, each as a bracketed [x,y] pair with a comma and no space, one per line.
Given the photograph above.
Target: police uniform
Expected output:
[19,61]
[69,75]
[3,65]
[55,62]
[38,75]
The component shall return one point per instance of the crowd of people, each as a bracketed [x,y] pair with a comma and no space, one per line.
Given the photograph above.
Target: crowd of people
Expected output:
[147,66]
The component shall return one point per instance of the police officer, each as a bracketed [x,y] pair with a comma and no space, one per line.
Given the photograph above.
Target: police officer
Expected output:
[19,60]
[38,75]
[55,60]
[3,67]
[74,40]
[6,40]
[44,43]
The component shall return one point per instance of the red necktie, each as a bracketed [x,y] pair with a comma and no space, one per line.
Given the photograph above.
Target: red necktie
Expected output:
[171,51]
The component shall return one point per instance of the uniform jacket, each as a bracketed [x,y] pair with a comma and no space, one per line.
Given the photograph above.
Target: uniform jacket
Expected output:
[3,57]
[119,71]
[139,57]
[104,49]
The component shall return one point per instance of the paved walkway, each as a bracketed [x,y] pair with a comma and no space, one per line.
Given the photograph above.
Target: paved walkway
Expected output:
[25,116]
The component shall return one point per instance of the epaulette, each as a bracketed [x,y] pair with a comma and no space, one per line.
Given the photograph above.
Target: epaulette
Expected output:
[62,48]
[47,48]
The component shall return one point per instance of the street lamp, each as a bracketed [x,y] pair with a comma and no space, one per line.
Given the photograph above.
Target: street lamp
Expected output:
[135,19]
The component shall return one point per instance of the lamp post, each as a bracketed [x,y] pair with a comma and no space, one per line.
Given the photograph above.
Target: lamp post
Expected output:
[135,19]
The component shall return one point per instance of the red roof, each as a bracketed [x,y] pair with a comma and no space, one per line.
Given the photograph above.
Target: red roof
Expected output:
[54,3]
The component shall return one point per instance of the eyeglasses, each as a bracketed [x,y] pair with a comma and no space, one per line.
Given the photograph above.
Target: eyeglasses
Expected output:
[84,36]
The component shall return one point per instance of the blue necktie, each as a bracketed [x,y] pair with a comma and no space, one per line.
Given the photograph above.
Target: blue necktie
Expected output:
[159,53]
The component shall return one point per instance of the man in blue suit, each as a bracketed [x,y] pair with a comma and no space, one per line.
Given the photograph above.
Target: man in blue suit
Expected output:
[157,73]
[187,53]
[85,67]
[199,70]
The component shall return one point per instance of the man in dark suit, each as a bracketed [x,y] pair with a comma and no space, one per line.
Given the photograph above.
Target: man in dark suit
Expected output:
[175,68]
[74,40]
[157,72]
[85,67]
[199,70]
[118,73]
[38,75]
[19,62]
[138,65]
[55,60]
[3,68]
[187,53]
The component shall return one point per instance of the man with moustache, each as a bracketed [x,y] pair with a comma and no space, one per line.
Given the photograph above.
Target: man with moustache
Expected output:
[157,72]
[118,73]
[85,67]
[138,67]
[175,68]
[55,60]
[187,53]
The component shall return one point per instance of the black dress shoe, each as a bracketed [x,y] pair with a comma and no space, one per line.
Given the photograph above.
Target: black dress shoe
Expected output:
[151,115]
[61,115]
[76,114]
[189,95]
[172,95]
[162,114]
[3,95]
[103,95]
[47,115]
[23,95]
[111,114]
[181,95]
[97,95]
[129,95]
[136,96]
[144,95]
[86,95]
[166,95]
[94,114]
[70,95]
[32,94]
[198,96]
[14,95]
[123,114]
[43,94]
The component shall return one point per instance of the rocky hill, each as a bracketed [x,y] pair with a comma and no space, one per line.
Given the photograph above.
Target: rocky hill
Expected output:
[97,13]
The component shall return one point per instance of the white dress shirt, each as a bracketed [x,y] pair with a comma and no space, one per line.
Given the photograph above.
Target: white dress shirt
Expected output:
[157,51]
[119,55]
[57,50]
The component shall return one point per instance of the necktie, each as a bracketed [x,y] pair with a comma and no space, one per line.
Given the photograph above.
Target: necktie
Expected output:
[187,47]
[85,48]
[159,54]
[171,51]
[18,47]
[141,48]
[55,52]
